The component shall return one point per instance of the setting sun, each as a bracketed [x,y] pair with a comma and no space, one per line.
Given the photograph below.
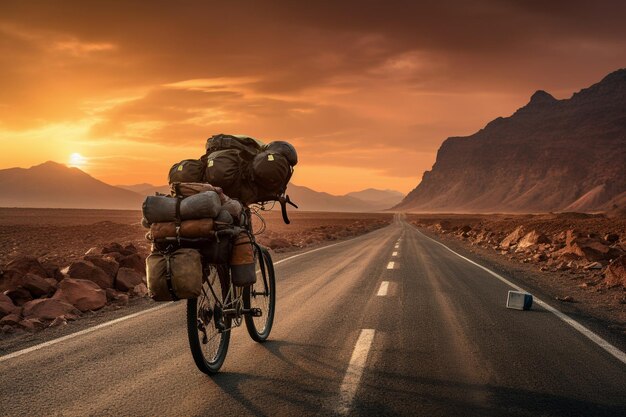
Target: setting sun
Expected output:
[77,160]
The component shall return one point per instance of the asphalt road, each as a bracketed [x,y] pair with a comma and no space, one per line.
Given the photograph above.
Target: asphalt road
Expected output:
[438,340]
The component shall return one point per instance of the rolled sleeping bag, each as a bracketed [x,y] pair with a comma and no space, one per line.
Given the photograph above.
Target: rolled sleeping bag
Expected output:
[159,209]
[223,220]
[188,228]
[233,207]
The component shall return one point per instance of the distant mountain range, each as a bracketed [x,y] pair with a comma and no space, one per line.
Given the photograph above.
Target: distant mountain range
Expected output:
[550,155]
[54,185]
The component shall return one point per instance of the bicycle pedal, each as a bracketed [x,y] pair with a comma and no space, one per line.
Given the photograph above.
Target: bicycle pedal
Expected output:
[256,312]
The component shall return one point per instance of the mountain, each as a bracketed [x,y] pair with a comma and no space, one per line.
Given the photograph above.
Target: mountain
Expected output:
[311,200]
[379,199]
[550,155]
[53,185]
[146,189]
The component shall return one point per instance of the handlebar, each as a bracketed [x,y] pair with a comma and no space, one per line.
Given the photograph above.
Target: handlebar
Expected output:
[284,200]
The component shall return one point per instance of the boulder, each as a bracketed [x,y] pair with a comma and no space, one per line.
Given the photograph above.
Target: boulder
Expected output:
[10,280]
[59,321]
[47,309]
[581,247]
[131,248]
[37,286]
[81,293]
[27,265]
[116,247]
[10,320]
[7,307]
[31,325]
[279,243]
[513,237]
[532,238]
[19,295]
[107,263]
[117,297]
[615,274]
[140,290]
[611,237]
[127,279]
[134,261]
[53,270]
[87,270]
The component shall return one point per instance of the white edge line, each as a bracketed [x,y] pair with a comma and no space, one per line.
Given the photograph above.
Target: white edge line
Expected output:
[130,316]
[384,288]
[621,356]
[80,333]
[351,380]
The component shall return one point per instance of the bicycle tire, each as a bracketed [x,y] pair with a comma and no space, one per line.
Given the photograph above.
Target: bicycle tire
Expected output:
[212,364]
[267,281]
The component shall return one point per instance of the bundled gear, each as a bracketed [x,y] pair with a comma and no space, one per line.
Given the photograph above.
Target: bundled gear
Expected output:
[187,228]
[158,209]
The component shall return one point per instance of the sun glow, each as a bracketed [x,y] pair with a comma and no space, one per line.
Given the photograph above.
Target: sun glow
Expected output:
[77,160]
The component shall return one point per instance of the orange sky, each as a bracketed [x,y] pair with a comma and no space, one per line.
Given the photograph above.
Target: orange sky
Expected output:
[366,90]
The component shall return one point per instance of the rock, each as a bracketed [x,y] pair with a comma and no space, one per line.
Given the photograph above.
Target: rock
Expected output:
[279,243]
[465,229]
[593,265]
[7,329]
[513,237]
[20,296]
[116,247]
[615,274]
[7,307]
[81,293]
[11,279]
[107,263]
[579,247]
[10,320]
[87,270]
[566,299]
[131,248]
[59,321]
[53,270]
[140,290]
[532,238]
[27,265]
[127,279]
[47,309]
[134,261]
[37,285]
[539,257]
[31,325]
[611,237]
[117,297]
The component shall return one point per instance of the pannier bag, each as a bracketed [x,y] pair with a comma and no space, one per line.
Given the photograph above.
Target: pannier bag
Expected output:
[188,170]
[224,169]
[285,149]
[187,228]
[247,145]
[157,209]
[271,171]
[174,276]
[242,265]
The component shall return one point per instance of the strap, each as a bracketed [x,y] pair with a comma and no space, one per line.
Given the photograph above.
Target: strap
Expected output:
[168,278]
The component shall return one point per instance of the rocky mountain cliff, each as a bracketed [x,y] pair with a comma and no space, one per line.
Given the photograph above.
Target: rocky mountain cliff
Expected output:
[550,155]
[53,185]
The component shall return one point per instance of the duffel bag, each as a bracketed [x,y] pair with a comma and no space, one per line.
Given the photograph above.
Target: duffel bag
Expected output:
[272,172]
[187,228]
[157,209]
[248,146]
[187,189]
[188,170]
[242,265]
[174,276]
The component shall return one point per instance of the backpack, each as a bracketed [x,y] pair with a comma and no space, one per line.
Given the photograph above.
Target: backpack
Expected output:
[187,170]
[247,169]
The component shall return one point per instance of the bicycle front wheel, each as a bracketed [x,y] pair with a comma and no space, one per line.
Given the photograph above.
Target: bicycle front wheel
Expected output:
[261,295]
[208,330]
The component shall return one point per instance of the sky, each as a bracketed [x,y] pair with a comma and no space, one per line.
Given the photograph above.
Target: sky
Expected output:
[366,90]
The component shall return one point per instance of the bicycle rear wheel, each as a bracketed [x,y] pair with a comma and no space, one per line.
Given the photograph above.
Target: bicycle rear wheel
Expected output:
[208,330]
[261,295]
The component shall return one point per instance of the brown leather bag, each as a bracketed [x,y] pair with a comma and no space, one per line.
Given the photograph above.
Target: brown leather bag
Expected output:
[186,189]
[242,262]
[188,228]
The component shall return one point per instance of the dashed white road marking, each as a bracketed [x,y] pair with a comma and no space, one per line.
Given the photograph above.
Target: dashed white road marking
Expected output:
[394,254]
[621,356]
[351,380]
[384,288]
[390,265]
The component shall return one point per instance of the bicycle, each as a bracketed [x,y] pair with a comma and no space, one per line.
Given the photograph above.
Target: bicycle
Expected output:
[222,306]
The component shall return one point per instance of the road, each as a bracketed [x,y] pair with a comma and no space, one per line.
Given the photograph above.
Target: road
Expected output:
[436,340]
